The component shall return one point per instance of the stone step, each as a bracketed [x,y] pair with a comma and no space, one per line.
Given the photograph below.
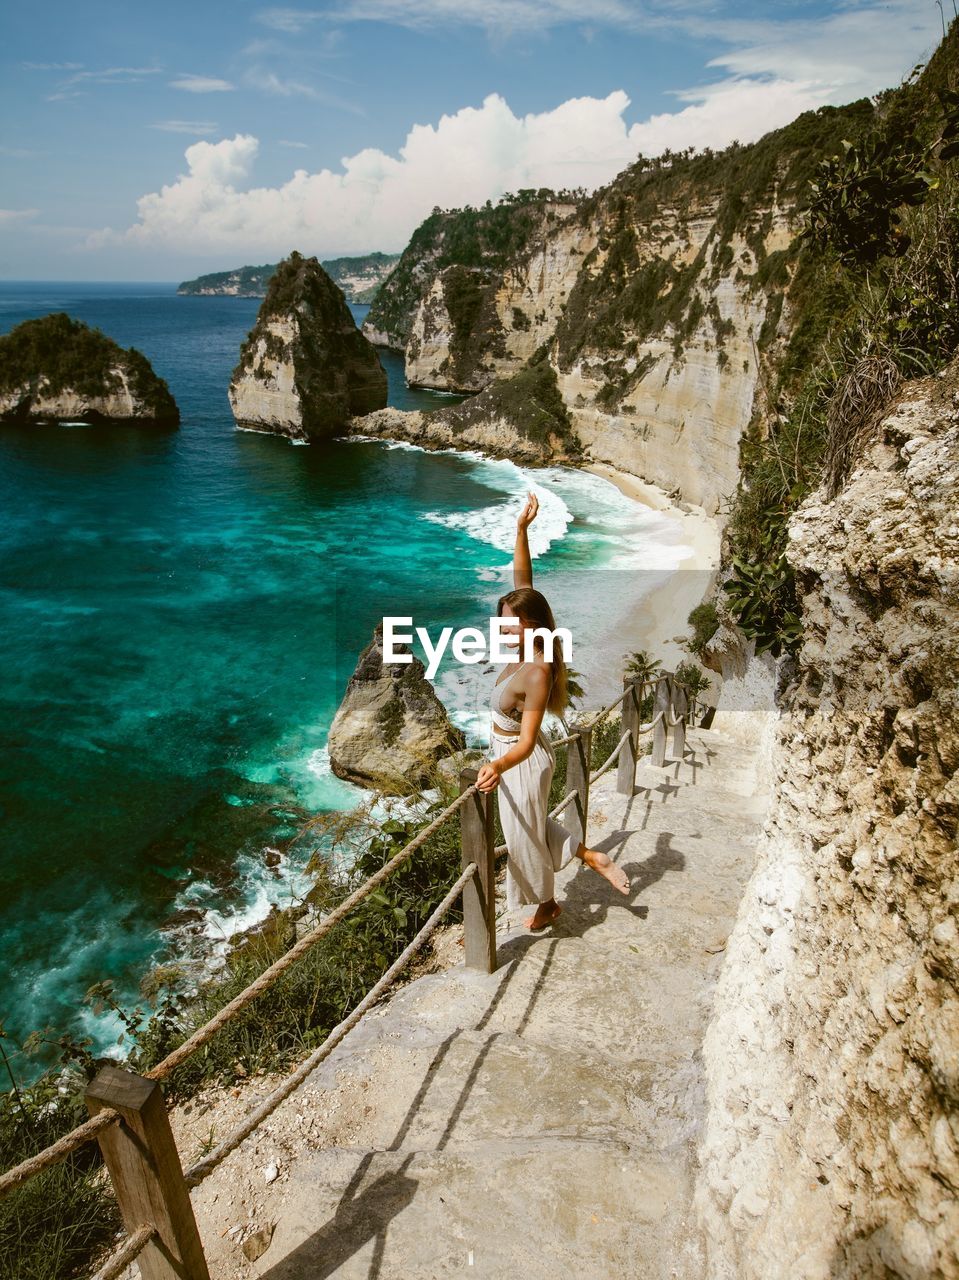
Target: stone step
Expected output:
[540,1209]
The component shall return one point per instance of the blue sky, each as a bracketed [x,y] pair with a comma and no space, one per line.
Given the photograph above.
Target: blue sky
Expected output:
[155,142]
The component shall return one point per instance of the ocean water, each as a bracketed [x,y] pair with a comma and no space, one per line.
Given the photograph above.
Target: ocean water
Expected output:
[179,614]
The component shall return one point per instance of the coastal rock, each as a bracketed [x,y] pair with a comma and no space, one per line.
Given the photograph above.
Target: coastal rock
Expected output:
[832,1142]
[305,367]
[522,418]
[390,729]
[55,368]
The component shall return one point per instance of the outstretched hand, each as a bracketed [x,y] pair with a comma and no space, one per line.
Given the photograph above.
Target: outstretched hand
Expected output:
[528,514]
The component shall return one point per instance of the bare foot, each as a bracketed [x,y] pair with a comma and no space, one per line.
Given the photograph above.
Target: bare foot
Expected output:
[602,863]
[544,914]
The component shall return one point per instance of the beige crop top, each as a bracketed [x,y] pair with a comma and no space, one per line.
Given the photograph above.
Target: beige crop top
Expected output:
[502,719]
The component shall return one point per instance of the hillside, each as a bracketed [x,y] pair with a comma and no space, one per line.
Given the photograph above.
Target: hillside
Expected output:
[359,278]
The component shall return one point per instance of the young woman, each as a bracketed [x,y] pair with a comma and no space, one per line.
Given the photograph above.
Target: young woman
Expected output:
[523,758]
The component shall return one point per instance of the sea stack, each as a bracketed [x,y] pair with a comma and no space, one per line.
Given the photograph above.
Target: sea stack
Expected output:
[391,728]
[55,368]
[305,368]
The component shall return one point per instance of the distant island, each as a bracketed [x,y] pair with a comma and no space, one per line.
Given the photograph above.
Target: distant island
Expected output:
[359,278]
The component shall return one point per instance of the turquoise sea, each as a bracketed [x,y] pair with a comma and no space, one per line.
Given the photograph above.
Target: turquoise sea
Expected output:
[179,614]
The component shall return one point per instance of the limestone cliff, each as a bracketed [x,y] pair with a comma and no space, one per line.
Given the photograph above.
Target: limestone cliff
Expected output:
[390,728]
[662,302]
[832,1144]
[305,368]
[58,369]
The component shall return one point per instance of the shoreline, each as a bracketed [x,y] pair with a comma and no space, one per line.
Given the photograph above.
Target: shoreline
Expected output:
[661,614]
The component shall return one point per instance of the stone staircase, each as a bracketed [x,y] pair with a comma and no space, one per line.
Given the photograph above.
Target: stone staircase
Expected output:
[541,1121]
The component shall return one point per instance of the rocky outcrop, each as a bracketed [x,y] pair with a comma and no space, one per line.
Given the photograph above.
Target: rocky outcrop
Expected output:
[522,418]
[305,368]
[390,729]
[359,278]
[58,369]
[832,1143]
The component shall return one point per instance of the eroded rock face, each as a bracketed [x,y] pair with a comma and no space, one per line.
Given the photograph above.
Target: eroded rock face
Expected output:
[832,1143]
[58,369]
[305,368]
[390,729]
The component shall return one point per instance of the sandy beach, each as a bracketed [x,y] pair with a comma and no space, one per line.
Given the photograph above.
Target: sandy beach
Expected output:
[651,622]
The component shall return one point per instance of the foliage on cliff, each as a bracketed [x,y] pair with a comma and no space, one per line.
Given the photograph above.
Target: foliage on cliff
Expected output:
[490,237]
[62,355]
[636,283]
[876,298]
[530,401]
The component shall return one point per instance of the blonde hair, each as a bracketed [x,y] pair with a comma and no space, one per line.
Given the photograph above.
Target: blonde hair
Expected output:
[532,609]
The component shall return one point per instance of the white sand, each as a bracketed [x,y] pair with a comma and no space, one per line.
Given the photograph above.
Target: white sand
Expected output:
[651,619]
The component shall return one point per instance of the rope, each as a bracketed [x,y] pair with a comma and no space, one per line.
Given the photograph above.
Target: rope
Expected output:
[563,803]
[131,1248]
[612,759]
[58,1151]
[196,1173]
[268,976]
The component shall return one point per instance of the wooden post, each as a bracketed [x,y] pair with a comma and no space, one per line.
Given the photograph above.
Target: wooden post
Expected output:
[577,775]
[680,703]
[479,894]
[661,703]
[631,720]
[147,1177]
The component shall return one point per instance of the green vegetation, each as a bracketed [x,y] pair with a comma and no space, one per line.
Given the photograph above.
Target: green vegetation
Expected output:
[635,291]
[490,237]
[67,355]
[704,620]
[692,678]
[875,295]
[529,400]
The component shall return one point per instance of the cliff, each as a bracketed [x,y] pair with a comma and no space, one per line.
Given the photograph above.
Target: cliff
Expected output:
[664,302]
[390,728]
[359,278]
[832,1145]
[56,368]
[305,368]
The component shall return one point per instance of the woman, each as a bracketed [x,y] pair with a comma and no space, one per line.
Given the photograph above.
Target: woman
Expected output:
[523,758]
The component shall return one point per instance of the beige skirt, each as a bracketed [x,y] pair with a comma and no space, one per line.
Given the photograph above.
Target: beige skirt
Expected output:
[537,845]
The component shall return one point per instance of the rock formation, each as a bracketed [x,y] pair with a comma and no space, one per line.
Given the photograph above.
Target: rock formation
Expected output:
[305,367]
[522,418]
[390,729]
[55,368]
[832,1144]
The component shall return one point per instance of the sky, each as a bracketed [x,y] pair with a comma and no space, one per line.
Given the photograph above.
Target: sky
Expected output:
[157,142]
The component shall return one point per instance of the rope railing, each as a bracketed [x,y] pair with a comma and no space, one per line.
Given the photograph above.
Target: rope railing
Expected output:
[128,1112]
[128,1252]
[195,1175]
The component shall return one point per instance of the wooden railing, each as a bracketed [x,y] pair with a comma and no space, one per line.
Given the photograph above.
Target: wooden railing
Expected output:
[128,1115]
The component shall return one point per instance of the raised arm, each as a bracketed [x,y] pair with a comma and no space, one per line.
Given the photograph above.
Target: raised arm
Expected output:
[522,563]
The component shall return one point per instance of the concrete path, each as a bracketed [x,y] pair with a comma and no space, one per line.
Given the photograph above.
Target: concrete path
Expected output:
[540,1121]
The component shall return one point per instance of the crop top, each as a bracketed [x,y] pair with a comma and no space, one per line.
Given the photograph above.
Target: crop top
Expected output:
[496,702]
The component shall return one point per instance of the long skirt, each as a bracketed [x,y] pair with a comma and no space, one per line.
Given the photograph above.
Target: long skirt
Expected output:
[537,845]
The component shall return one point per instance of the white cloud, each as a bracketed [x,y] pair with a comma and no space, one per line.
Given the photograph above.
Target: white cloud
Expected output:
[300,146]
[201,84]
[199,128]
[375,199]
[16,215]
[280,87]
[290,21]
